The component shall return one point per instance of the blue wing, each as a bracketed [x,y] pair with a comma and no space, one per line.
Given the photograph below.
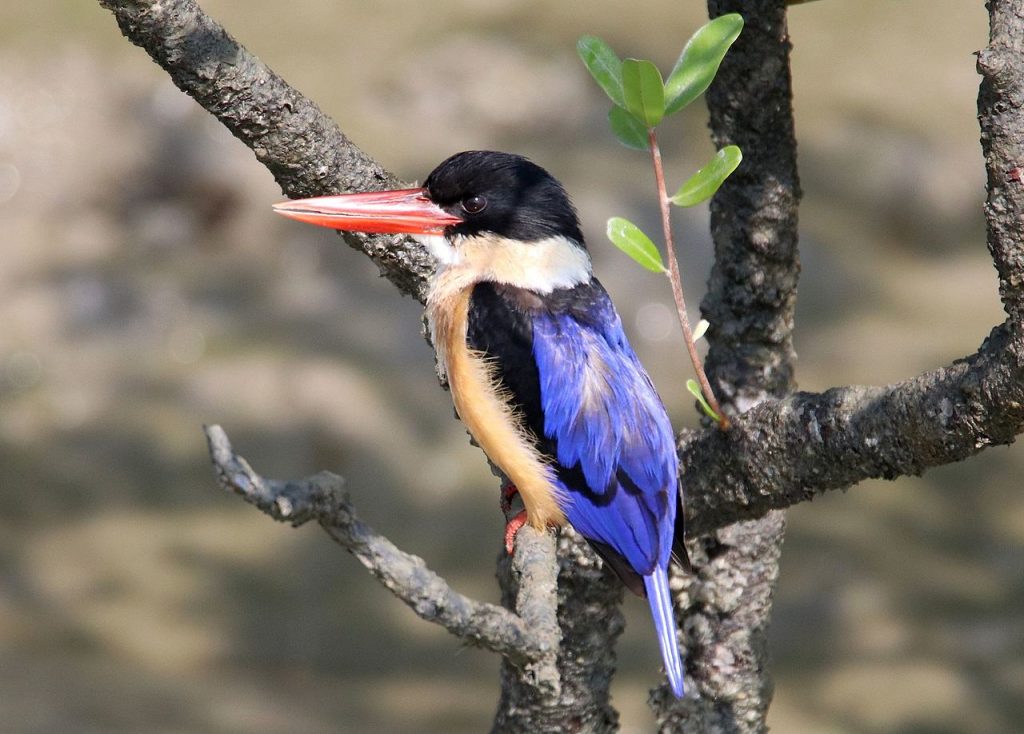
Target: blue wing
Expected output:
[610,429]
[579,387]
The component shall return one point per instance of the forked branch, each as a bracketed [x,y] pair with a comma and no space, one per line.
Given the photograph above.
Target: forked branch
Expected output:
[529,637]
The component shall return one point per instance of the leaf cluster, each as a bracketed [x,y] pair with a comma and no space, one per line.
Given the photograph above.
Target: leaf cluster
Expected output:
[641,99]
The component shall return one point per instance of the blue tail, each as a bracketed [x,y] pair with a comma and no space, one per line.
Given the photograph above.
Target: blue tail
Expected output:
[660,599]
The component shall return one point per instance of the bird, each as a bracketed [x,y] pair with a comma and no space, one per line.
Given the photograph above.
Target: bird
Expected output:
[537,361]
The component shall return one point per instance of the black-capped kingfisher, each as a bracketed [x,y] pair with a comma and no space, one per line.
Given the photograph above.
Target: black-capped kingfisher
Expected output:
[539,367]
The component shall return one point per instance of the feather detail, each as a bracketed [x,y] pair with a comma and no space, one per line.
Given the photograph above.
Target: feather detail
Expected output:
[609,429]
[660,599]
[484,406]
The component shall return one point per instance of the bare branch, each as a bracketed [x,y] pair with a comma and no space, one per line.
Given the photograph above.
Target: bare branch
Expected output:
[532,638]
[783,452]
[1000,108]
[300,145]
[309,156]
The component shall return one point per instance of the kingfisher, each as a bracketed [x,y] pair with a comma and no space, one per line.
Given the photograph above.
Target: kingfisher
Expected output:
[537,362]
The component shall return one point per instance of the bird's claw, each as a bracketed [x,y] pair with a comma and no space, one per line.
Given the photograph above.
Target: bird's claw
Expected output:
[514,519]
[512,527]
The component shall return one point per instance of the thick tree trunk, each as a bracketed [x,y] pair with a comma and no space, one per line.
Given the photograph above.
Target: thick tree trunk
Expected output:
[751,296]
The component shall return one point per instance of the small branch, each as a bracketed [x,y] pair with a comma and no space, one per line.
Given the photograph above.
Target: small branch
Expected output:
[835,439]
[537,605]
[530,639]
[300,145]
[590,616]
[677,281]
[1001,115]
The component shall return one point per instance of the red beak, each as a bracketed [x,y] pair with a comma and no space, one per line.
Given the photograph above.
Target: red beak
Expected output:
[405,211]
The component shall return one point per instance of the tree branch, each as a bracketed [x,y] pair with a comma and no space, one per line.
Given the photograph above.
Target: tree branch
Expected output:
[787,451]
[1000,103]
[751,297]
[300,145]
[779,451]
[530,637]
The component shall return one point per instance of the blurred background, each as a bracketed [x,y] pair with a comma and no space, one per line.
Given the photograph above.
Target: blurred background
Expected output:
[146,288]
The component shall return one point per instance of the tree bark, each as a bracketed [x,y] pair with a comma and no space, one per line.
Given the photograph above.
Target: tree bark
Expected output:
[782,448]
[1000,99]
[300,145]
[751,296]
[590,618]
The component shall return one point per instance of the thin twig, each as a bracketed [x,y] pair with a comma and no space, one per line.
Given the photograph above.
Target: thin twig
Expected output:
[530,638]
[677,281]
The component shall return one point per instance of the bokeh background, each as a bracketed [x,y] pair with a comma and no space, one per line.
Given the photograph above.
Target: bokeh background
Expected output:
[146,288]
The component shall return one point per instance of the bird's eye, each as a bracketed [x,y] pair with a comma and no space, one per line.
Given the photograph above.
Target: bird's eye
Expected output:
[474,204]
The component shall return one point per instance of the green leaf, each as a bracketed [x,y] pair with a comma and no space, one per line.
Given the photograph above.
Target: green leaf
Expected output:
[603,65]
[698,63]
[704,183]
[627,237]
[694,389]
[630,131]
[643,91]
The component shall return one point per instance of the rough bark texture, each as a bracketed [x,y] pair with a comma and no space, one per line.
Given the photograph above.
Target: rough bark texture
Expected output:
[529,639]
[591,620]
[300,145]
[752,289]
[1000,99]
[780,450]
[751,295]
[787,451]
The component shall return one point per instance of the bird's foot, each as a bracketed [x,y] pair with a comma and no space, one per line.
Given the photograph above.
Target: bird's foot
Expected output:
[512,527]
[514,518]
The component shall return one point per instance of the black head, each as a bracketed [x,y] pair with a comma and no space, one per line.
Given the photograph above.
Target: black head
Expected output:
[505,194]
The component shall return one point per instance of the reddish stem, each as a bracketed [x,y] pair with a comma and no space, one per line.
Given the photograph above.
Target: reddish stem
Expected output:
[677,282]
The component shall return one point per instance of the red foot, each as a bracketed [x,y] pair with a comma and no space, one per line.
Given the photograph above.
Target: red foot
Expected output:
[514,519]
[512,527]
